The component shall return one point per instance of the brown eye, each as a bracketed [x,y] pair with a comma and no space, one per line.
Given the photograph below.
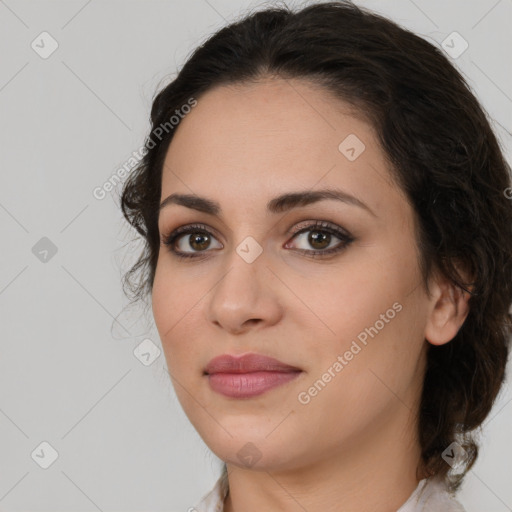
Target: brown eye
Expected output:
[322,239]
[319,239]
[199,242]
[189,241]
[194,241]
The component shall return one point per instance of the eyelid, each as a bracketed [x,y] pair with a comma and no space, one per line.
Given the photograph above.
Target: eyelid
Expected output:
[294,230]
[318,224]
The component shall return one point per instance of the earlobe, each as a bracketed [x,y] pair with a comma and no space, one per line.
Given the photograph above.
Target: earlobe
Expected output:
[449,309]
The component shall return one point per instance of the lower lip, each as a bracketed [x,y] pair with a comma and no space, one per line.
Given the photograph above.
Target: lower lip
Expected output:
[247,385]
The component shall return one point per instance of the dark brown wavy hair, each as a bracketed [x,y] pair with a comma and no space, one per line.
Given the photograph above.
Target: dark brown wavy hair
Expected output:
[444,156]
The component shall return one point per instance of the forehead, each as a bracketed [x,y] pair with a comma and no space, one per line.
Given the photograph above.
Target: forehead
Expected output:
[261,139]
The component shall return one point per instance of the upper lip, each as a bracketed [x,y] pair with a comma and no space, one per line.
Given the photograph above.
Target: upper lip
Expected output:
[246,363]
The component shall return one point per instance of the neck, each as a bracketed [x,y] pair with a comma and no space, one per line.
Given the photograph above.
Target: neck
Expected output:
[376,473]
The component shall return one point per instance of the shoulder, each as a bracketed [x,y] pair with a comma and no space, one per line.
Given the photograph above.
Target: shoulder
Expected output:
[431,495]
[213,501]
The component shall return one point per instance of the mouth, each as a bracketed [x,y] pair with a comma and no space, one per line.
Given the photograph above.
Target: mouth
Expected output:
[248,375]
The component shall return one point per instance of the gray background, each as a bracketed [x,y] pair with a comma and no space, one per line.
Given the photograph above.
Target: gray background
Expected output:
[67,368]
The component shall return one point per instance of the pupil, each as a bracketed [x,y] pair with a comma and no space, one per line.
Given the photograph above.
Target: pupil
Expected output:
[318,237]
[198,240]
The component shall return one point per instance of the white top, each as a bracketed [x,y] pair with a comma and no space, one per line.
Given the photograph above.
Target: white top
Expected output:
[429,496]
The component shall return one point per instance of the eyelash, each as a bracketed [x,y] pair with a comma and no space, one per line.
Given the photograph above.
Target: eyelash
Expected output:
[319,226]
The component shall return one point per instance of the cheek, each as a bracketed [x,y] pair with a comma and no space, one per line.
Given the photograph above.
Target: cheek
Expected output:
[174,295]
[371,313]
[352,296]
[173,304]
[163,301]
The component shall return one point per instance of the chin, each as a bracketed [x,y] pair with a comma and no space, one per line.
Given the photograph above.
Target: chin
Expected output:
[252,447]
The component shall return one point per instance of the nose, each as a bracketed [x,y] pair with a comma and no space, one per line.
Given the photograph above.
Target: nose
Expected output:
[245,297]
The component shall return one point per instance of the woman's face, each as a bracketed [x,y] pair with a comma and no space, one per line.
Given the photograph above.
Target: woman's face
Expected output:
[351,321]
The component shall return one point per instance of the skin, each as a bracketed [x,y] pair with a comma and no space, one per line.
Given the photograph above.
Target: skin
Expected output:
[353,447]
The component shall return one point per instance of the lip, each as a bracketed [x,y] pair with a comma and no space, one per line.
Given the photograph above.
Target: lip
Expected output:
[247,363]
[247,375]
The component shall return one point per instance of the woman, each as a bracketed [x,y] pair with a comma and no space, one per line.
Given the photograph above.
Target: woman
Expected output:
[328,251]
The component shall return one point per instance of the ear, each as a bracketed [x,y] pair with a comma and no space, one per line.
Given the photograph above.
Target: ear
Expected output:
[448,309]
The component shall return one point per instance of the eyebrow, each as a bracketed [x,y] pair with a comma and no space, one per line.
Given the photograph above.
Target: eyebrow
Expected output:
[279,204]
